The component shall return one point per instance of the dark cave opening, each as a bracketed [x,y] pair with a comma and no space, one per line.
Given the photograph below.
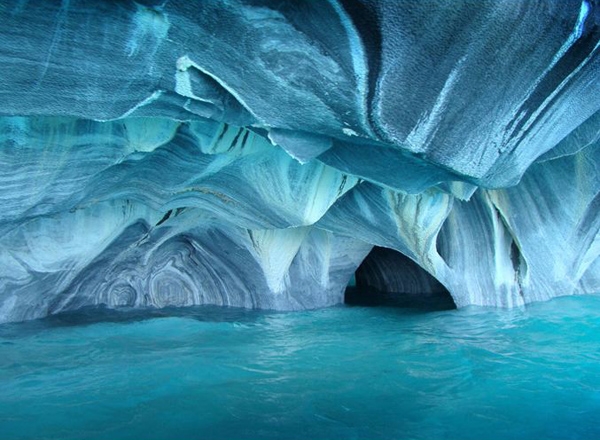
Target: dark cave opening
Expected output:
[391,279]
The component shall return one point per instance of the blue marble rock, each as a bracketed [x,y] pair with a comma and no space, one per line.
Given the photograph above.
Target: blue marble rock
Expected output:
[253,152]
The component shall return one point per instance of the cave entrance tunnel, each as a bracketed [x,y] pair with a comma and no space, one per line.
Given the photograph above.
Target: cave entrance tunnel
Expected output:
[389,278]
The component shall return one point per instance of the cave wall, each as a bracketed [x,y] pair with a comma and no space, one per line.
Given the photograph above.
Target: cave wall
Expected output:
[252,153]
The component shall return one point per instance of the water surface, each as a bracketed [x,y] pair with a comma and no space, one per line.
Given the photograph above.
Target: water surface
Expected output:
[343,372]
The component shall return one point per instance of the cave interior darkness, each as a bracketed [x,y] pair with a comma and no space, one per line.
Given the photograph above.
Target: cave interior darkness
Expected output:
[388,278]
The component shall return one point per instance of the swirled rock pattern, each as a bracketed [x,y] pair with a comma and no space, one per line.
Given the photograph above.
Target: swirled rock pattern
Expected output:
[252,152]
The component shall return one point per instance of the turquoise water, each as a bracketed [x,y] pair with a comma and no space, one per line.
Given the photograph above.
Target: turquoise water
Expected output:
[344,372]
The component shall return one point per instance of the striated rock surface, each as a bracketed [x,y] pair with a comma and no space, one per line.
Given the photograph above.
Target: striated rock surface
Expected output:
[253,152]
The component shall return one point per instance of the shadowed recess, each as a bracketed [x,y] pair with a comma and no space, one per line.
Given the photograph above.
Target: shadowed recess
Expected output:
[389,278]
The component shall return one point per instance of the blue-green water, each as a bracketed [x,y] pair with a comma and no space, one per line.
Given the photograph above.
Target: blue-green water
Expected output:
[345,372]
